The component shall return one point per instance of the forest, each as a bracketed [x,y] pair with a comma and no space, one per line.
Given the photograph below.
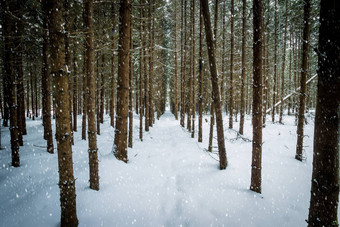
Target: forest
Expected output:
[169,112]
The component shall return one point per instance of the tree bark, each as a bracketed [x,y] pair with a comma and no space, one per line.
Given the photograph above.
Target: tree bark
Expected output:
[113,79]
[123,80]
[63,130]
[92,134]
[231,98]
[304,72]
[275,61]
[201,81]
[214,81]
[324,200]
[257,98]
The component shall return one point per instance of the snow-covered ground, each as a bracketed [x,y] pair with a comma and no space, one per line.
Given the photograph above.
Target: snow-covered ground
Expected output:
[170,180]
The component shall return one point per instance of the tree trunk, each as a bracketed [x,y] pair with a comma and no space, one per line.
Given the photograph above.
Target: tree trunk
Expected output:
[231,98]
[46,85]
[183,60]
[113,79]
[304,72]
[63,130]
[214,81]
[193,72]
[10,78]
[243,64]
[324,201]
[130,88]
[151,40]
[75,88]
[123,80]
[275,62]
[257,99]
[176,80]
[91,90]
[141,56]
[201,81]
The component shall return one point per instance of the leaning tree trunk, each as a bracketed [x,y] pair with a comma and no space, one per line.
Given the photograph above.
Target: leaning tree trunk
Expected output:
[123,80]
[63,130]
[91,90]
[303,86]
[324,201]
[214,81]
[257,98]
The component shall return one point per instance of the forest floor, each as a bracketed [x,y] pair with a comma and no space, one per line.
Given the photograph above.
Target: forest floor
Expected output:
[169,180]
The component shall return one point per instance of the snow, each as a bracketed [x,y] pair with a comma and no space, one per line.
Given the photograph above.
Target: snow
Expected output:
[169,180]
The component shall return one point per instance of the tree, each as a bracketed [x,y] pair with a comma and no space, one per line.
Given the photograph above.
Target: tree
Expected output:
[123,80]
[257,98]
[63,130]
[200,83]
[231,98]
[92,134]
[214,81]
[275,61]
[324,200]
[304,72]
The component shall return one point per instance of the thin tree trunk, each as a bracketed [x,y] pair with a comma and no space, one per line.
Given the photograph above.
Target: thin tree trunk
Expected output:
[113,79]
[63,130]
[176,79]
[123,80]
[183,59]
[75,88]
[243,64]
[257,99]
[130,87]
[201,81]
[283,64]
[275,62]
[303,79]
[323,209]
[193,72]
[214,81]
[231,98]
[102,88]
[92,134]
[85,95]
[141,105]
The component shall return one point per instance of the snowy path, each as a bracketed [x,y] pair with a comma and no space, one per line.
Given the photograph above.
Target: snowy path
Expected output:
[169,180]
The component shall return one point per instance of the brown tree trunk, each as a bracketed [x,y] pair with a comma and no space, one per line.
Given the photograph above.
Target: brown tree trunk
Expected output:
[231,98]
[141,58]
[10,77]
[303,79]
[275,62]
[46,84]
[130,87]
[113,79]
[151,40]
[176,71]
[201,81]
[85,98]
[102,89]
[183,59]
[97,95]
[75,88]
[92,134]
[214,81]
[257,99]
[193,72]
[63,130]
[323,209]
[123,80]
[283,64]
[243,64]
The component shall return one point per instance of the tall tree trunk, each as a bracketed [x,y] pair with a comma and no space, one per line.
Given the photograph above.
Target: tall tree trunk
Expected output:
[193,52]
[201,81]
[176,71]
[183,59]
[130,87]
[243,64]
[113,79]
[190,79]
[97,95]
[303,79]
[85,94]
[141,56]
[323,209]
[63,130]
[275,62]
[146,78]
[283,64]
[10,77]
[75,88]
[46,84]
[151,69]
[123,80]
[102,88]
[231,98]
[92,134]
[257,98]
[214,81]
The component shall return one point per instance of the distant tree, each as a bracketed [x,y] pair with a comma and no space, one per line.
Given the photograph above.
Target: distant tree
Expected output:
[256,165]
[63,130]
[324,200]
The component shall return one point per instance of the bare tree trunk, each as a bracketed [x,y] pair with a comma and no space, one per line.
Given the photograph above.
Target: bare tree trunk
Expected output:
[75,88]
[85,94]
[46,85]
[323,209]
[201,81]
[141,105]
[214,81]
[130,87]
[92,134]
[304,72]
[231,98]
[63,130]
[176,79]
[9,70]
[283,64]
[275,62]
[151,69]
[243,64]
[183,59]
[113,79]
[123,80]
[193,72]
[257,99]
[102,88]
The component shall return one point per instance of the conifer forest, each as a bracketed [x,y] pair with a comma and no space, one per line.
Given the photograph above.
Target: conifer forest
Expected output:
[169,112]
